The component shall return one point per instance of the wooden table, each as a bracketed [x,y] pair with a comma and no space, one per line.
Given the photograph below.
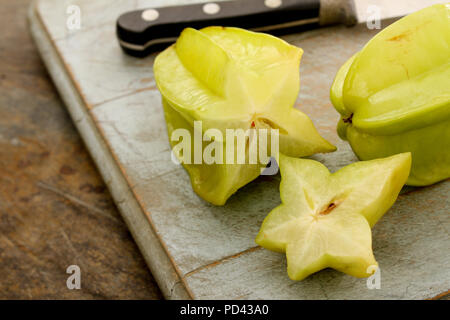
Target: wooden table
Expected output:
[55,210]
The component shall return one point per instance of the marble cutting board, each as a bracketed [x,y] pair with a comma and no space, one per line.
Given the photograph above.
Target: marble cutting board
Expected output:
[196,250]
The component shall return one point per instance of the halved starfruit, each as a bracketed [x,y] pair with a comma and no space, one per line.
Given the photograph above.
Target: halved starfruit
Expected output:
[217,79]
[394,95]
[325,219]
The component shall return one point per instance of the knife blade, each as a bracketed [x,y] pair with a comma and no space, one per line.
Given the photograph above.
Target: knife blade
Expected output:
[144,31]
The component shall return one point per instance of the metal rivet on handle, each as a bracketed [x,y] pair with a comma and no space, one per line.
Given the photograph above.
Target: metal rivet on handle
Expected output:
[273,3]
[150,14]
[211,8]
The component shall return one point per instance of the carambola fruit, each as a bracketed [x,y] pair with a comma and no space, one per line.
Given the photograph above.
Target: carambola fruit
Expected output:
[394,95]
[229,78]
[325,219]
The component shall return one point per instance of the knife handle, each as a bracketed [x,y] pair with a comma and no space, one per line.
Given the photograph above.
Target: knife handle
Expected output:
[141,32]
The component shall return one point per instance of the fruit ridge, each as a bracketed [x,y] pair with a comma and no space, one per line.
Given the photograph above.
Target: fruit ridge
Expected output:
[325,218]
[230,78]
[394,95]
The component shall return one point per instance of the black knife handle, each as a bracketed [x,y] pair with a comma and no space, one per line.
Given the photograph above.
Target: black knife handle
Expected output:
[144,31]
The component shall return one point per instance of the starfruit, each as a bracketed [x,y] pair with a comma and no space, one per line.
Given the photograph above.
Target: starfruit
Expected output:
[229,78]
[325,219]
[394,95]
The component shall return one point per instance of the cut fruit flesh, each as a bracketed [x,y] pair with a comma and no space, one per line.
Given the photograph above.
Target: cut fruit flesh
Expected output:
[325,219]
[229,78]
[231,92]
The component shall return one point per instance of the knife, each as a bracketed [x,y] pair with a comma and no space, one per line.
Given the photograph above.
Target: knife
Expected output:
[144,31]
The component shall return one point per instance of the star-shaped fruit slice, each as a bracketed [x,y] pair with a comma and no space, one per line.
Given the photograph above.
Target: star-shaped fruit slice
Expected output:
[230,78]
[325,219]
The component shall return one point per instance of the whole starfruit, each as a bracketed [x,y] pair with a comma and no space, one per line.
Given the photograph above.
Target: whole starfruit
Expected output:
[394,95]
[229,78]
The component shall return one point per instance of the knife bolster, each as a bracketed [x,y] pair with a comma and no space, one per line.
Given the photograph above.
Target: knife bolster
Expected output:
[337,11]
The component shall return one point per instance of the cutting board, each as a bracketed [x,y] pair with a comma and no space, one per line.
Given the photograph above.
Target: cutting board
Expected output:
[196,250]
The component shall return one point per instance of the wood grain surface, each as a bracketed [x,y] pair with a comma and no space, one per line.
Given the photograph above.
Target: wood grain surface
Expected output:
[55,210]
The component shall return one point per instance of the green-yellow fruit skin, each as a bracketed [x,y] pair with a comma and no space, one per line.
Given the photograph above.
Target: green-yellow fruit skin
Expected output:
[230,78]
[366,189]
[338,86]
[215,183]
[394,95]
[429,147]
